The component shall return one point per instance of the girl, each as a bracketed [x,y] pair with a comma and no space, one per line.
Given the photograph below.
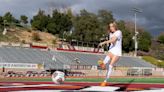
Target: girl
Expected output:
[115,50]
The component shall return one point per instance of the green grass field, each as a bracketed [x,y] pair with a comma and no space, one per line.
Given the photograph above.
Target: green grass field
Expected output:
[120,80]
[152,60]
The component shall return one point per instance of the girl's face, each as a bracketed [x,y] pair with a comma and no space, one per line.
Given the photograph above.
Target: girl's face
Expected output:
[112,27]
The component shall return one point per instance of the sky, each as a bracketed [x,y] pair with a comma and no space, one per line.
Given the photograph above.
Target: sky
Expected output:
[151,18]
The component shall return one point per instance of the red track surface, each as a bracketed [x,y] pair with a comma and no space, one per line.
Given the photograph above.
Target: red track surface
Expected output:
[76,86]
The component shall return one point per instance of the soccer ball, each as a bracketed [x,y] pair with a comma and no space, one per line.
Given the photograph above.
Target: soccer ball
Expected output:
[100,62]
[58,77]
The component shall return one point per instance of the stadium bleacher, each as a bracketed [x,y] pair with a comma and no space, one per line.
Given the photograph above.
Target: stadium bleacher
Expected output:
[36,56]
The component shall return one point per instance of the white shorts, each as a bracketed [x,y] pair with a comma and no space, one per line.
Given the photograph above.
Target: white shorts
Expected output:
[116,53]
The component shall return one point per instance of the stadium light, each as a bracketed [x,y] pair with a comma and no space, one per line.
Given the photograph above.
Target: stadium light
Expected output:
[135,10]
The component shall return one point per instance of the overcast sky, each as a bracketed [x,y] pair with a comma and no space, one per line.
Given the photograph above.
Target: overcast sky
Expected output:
[151,18]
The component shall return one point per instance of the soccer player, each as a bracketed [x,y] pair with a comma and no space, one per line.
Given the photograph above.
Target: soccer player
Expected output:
[114,52]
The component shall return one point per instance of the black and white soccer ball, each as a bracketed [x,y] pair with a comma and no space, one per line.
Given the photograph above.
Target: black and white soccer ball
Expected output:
[58,77]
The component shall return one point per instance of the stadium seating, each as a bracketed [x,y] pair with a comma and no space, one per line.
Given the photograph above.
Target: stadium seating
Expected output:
[57,59]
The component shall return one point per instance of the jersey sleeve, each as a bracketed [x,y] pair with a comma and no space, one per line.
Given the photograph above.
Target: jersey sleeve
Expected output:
[118,34]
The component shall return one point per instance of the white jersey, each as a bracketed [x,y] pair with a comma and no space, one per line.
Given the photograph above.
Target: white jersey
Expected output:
[116,48]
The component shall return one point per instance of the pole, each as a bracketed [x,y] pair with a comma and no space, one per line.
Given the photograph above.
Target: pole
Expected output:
[135,39]
[136,10]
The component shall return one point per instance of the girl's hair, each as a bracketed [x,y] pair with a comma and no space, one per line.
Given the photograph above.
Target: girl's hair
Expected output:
[114,24]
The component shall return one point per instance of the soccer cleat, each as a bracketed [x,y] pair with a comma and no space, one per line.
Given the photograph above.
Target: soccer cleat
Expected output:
[101,64]
[103,84]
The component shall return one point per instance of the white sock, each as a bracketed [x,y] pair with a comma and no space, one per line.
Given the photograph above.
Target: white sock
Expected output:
[109,71]
[106,60]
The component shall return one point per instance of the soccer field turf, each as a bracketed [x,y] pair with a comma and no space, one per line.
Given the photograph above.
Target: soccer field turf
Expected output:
[121,80]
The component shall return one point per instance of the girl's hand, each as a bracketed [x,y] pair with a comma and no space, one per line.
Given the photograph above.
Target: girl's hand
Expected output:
[101,44]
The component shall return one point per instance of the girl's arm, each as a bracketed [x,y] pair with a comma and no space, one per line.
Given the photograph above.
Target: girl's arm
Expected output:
[112,40]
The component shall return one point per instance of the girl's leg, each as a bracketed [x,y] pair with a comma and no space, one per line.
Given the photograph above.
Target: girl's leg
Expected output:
[114,60]
[109,70]
[106,61]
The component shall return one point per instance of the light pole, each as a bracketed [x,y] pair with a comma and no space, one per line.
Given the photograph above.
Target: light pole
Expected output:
[136,10]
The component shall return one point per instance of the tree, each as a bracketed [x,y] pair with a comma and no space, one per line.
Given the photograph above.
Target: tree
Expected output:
[39,21]
[58,23]
[144,41]
[105,17]
[51,27]
[127,37]
[24,19]
[161,38]
[9,18]
[69,13]
[55,24]
[87,27]
[1,20]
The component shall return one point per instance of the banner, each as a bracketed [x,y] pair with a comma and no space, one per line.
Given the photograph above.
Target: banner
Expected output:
[19,65]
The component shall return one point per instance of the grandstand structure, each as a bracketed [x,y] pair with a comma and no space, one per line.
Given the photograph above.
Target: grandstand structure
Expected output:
[40,59]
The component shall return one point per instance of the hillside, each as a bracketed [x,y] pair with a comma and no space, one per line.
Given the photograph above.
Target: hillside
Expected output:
[25,35]
[152,60]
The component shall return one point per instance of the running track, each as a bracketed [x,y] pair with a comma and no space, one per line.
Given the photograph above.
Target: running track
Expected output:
[75,86]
